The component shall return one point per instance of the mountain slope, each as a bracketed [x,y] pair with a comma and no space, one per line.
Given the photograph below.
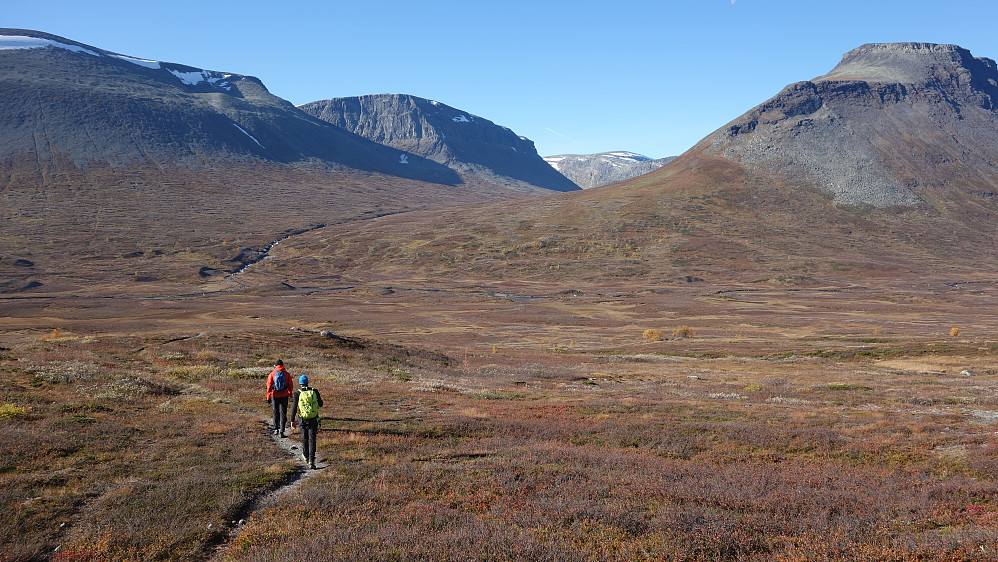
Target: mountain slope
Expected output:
[64,98]
[117,171]
[887,168]
[886,127]
[475,147]
[595,170]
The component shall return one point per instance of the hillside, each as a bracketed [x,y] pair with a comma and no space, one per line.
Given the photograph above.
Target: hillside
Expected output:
[724,359]
[478,149]
[902,124]
[596,170]
[841,179]
[65,101]
[117,170]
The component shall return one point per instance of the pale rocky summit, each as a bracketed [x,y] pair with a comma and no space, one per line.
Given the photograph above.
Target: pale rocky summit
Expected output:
[478,149]
[886,127]
[596,170]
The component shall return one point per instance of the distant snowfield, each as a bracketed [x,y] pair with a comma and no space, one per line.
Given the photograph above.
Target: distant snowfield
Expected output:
[629,156]
[611,156]
[9,42]
[555,162]
[196,77]
[192,78]
[153,64]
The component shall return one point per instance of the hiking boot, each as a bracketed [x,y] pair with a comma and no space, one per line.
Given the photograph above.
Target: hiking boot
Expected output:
[282,434]
[312,466]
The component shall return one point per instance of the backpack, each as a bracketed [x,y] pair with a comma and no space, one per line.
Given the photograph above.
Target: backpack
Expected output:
[279,385]
[308,404]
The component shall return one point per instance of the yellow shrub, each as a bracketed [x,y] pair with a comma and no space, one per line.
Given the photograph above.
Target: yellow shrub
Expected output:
[12,411]
[954,332]
[684,332]
[652,334]
[53,336]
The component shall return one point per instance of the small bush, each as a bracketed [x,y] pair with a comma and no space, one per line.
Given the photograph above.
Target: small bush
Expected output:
[53,336]
[843,386]
[652,334]
[249,373]
[954,332]
[197,373]
[9,411]
[684,332]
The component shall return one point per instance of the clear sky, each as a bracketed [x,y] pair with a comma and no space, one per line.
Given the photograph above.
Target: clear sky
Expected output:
[579,76]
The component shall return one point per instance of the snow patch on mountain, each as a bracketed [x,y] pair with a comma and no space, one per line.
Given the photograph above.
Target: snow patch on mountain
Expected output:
[194,78]
[9,42]
[191,78]
[594,170]
[555,161]
[250,136]
[153,64]
[629,156]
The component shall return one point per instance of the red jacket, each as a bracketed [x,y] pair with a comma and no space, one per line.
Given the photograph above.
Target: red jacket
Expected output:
[288,385]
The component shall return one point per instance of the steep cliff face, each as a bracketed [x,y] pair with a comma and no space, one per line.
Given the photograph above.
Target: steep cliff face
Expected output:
[475,147]
[888,123]
[595,170]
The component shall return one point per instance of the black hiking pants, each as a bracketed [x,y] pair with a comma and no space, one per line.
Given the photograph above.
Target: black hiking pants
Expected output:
[280,413]
[309,432]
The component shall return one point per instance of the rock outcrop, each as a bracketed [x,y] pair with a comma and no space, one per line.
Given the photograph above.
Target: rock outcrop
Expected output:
[888,123]
[475,147]
[595,170]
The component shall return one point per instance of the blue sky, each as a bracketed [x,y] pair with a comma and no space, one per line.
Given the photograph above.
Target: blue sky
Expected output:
[573,76]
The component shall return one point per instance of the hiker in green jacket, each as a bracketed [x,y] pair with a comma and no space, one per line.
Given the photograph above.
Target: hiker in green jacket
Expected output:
[305,404]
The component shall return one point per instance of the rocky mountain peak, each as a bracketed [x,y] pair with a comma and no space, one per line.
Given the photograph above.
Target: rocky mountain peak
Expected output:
[911,64]
[475,147]
[889,122]
[604,168]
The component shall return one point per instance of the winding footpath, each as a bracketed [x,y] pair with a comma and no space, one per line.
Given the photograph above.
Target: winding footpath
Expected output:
[290,447]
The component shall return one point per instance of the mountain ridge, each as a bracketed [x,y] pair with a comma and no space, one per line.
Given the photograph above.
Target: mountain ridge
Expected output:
[178,168]
[65,97]
[868,139]
[596,170]
[828,182]
[471,145]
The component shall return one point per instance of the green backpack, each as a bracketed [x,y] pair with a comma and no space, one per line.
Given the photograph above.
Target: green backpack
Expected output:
[308,404]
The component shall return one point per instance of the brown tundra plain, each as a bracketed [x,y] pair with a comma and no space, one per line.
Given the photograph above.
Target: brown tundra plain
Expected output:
[780,346]
[621,374]
[504,421]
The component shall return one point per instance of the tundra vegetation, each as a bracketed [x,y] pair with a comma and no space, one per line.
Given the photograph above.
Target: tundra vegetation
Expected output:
[727,359]
[155,448]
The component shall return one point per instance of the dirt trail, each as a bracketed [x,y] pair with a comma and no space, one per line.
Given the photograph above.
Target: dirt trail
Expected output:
[216,549]
[290,446]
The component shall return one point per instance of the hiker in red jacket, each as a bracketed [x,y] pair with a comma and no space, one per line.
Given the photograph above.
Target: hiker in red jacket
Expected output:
[279,387]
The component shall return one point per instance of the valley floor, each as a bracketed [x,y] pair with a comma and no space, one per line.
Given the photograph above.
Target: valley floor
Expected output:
[511,421]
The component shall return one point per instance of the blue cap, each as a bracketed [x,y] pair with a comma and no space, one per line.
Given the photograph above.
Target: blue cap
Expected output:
[303,380]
